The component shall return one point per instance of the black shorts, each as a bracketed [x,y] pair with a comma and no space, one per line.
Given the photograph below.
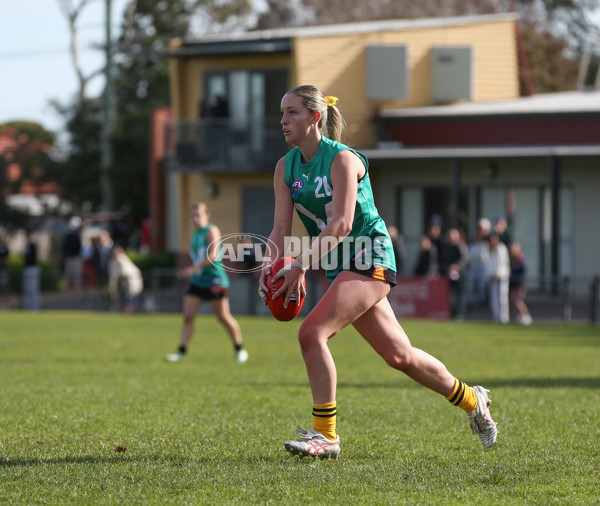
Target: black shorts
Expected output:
[212,293]
[375,272]
[378,272]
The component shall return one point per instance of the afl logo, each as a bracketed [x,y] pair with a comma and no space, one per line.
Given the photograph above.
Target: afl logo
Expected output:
[297,184]
[237,249]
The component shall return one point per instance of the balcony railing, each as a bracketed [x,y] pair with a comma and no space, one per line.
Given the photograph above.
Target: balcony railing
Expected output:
[224,145]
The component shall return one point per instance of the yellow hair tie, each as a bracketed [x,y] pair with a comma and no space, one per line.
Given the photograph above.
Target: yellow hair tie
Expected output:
[331,101]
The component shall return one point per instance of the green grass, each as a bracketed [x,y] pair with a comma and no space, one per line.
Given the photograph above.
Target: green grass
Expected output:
[74,386]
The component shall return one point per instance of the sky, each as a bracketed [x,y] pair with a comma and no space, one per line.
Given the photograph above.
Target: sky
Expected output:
[35,63]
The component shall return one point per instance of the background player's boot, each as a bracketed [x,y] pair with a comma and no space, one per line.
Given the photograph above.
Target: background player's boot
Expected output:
[241,356]
[174,357]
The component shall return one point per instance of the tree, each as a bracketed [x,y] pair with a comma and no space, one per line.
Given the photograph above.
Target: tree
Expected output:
[566,19]
[80,172]
[72,12]
[27,165]
[551,69]
[141,83]
[558,35]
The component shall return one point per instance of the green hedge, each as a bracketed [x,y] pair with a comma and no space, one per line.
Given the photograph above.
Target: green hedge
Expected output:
[51,275]
[147,263]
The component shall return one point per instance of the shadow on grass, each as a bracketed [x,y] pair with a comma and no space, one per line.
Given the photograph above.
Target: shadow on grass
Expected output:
[590,383]
[561,341]
[167,460]
[566,382]
[86,459]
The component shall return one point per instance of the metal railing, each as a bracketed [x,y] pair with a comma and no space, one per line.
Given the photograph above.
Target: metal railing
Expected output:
[223,145]
[562,298]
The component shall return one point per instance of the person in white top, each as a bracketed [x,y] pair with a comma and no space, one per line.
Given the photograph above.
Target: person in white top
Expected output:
[498,273]
[125,281]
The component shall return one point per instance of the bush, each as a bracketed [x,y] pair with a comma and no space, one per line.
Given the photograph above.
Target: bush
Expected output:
[50,275]
[148,263]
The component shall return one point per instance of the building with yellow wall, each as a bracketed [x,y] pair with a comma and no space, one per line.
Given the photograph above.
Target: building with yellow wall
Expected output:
[228,160]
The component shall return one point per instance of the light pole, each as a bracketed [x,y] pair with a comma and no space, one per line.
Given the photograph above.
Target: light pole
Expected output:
[106,158]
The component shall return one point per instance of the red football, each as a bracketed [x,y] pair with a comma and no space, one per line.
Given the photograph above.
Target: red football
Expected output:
[276,305]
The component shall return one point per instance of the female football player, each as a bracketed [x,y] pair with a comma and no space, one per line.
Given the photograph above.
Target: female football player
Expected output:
[208,281]
[328,185]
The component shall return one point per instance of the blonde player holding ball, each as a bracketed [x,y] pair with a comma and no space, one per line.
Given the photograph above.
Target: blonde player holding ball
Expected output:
[328,184]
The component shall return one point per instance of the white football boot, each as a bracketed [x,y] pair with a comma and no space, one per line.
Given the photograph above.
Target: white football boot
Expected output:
[313,444]
[241,356]
[481,420]
[174,357]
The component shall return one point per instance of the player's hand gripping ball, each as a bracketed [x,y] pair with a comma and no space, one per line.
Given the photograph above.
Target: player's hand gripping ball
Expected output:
[276,305]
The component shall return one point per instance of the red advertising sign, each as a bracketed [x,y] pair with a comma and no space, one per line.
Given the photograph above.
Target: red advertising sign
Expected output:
[421,298]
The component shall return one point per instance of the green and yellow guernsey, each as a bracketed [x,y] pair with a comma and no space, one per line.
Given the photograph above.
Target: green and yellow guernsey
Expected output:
[213,274]
[368,244]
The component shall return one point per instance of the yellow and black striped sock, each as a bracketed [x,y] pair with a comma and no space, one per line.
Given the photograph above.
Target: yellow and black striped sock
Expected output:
[324,418]
[463,396]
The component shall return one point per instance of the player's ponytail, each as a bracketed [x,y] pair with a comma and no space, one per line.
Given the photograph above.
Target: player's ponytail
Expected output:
[335,125]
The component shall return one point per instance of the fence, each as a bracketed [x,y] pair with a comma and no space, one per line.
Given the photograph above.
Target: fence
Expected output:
[563,299]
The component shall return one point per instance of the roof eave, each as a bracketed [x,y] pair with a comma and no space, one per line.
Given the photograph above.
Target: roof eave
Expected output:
[233,47]
[483,152]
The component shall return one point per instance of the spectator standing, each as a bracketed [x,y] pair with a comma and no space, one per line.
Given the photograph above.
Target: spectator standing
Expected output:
[221,107]
[498,272]
[219,113]
[518,283]
[72,254]
[398,247]
[435,234]
[4,275]
[125,282]
[502,228]
[102,245]
[31,275]
[479,252]
[427,260]
[453,267]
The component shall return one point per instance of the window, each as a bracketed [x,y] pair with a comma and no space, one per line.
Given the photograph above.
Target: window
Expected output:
[251,123]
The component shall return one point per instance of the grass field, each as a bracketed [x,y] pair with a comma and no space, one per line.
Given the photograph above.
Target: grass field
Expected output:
[75,386]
